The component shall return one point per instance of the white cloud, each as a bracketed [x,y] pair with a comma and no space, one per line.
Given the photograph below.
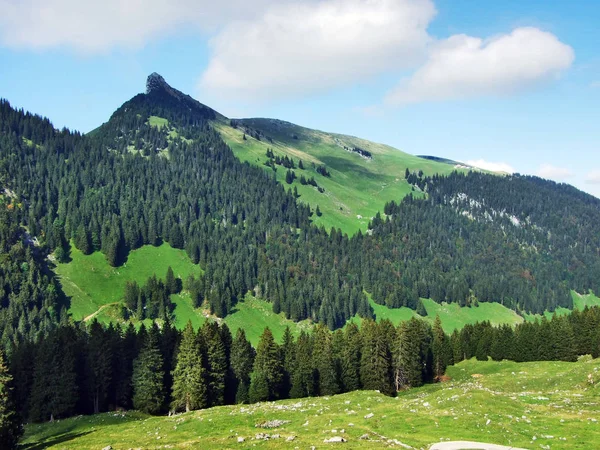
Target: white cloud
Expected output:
[593,177]
[554,173]
[98,26]
[464,66]
[491,166]
[299,47]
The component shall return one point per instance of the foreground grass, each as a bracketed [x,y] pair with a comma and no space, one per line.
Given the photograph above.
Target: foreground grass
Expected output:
[529,405]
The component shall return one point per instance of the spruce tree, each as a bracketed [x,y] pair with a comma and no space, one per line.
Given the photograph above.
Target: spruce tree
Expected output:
[268,369]
[11,425]
[216,356]
[99,366]
[148,378]
[303,373]
[323,362]
[407,370]
[375,364]
[442,352]
[189,383]
[351,358]
[242,360]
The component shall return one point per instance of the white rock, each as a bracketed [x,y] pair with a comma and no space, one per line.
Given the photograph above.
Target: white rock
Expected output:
[241,439]
[370,415]
[334,440]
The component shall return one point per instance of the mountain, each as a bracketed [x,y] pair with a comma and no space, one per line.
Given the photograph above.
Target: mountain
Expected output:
[160,170]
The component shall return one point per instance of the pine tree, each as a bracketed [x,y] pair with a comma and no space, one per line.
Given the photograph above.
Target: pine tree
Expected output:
[11,426]
[172,284]
[99,366]
[323,362]
[375,364]
[216,363]
[442,352]
[268,369]
[82,240]
[407,370]
[148,378]
[303,376]
[351,358]
[189,384]
[242,360]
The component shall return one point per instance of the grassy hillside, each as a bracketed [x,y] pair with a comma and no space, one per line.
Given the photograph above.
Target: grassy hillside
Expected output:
[528,405]
[452,315]
[96,291]
[92,283]
[358,187]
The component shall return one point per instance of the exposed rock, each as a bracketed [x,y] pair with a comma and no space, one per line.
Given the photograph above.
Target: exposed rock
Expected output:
[290,438]
[240,439]
[108,447]
[370,415]
[364,437]
[271,424]
[334,439]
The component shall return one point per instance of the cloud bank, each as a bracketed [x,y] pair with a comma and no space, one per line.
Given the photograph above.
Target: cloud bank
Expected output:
[464,66]
[300,48]
[266,49]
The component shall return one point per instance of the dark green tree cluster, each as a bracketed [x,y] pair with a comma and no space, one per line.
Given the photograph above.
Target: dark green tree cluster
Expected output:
[30,299]
[94,369]
[152,301]
[562,338]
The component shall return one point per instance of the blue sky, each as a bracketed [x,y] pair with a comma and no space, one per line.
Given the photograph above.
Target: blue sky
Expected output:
[511,84]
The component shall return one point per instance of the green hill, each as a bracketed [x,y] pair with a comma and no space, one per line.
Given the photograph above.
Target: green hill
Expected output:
[359,186]
[527,405]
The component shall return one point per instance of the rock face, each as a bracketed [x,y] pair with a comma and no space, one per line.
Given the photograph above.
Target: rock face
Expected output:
[154,82]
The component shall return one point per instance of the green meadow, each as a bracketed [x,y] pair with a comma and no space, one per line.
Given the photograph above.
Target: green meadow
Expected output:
[537,405]
[357,189]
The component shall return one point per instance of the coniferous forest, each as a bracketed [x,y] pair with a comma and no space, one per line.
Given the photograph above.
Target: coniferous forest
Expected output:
[84,370]
[520,241]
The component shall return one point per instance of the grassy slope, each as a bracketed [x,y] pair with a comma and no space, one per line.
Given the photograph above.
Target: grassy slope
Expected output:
[452,316]
[357,186]
[92,283]
[530,405]
[96,290]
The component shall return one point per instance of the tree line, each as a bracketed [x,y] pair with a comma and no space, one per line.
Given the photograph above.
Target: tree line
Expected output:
[90,369]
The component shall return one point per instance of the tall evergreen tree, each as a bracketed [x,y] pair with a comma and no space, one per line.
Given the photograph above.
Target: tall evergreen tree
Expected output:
[148,378]
[303,373]
[268,369]
[351,357]
[442,351]
[242,360]
[11,425]
[189,383]
[323,362]
[375,364]
[217,366]
[99,368]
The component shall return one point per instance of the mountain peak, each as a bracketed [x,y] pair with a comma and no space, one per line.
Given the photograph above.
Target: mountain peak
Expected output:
[156,82]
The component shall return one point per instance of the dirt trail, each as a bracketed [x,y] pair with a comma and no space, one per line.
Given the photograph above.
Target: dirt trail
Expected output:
[94,314]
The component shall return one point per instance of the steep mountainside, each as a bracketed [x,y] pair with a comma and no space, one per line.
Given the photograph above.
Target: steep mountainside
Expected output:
[360,176]
[158,171]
